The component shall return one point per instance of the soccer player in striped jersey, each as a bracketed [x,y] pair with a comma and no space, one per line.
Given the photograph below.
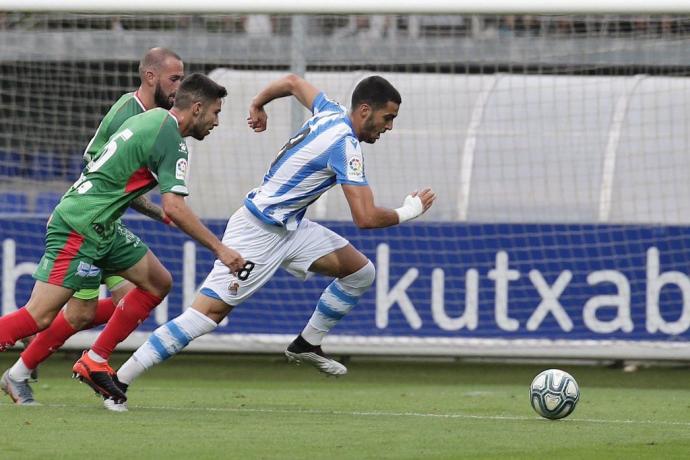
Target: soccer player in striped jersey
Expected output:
[85,238]
[161,72]
[270,230]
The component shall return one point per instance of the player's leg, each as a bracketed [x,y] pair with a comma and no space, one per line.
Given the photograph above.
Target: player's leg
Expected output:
[82,311]
[77,316]
[64,268]
[118,288]
[153,282]
[48,341]
[219,292]
[169,339]
[129,256]
[354,275]
[46,299]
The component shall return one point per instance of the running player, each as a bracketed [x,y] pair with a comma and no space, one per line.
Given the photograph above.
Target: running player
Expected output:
[270,229]
[161,72]
[84,238]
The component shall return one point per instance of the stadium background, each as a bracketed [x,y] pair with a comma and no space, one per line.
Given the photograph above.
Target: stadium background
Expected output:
[557,145]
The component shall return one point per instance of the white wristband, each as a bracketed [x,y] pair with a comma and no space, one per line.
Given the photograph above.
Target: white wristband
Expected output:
[412,207]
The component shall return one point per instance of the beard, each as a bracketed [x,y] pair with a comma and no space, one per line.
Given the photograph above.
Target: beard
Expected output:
[199,133]
[369,130]
[198,136]
[161,99]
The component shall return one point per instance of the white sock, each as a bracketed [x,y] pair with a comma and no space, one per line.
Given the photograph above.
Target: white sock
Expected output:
[19,371]
[166,341]
[96,357]
[130,370]
[335,302]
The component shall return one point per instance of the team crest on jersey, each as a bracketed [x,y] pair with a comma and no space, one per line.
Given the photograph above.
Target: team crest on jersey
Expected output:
[181,169]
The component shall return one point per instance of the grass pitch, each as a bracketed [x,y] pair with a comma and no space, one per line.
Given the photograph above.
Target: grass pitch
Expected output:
[260,407]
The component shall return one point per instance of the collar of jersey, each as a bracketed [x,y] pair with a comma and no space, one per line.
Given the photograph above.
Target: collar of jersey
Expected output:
[139,101]
[349,123]
[177,122]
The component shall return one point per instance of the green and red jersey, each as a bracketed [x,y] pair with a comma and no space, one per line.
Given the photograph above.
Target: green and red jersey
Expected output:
[125,108]
[146,150]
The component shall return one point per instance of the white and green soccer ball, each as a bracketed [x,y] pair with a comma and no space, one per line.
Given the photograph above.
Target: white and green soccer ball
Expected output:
[554,394]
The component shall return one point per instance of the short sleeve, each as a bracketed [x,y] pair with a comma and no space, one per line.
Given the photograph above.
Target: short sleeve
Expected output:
[347,162]
[171,168]
[323,104]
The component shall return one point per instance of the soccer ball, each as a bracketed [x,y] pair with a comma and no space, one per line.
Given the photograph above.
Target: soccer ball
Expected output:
[554,394]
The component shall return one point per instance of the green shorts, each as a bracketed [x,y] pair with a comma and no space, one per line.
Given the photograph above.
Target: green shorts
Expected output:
[111,282]
[76,262]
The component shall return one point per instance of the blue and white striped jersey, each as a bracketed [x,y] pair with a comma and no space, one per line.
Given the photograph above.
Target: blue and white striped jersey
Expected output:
[323,153]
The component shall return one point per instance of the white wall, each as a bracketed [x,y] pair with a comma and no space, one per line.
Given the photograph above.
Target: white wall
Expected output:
[534,148]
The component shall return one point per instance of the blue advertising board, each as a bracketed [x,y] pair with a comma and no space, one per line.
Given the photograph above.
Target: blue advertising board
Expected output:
[447,280]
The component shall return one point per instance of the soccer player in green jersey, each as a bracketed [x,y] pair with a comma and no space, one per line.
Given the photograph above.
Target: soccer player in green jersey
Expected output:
[84,238]
[161,72]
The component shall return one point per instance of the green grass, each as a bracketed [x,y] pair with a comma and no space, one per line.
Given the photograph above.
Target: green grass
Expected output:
[249,407]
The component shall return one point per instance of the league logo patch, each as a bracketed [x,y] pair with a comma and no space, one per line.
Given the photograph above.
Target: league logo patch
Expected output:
[181,169]
[87,270]
[355,169]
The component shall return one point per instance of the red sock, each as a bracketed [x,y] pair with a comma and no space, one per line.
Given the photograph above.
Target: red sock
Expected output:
[48,341]
[15,326]
[134,308]
[104,311]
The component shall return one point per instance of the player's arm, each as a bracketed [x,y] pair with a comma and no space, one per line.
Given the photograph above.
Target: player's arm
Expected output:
[184,218]
[289,85]
[365,214]
[144,206]
[169,162]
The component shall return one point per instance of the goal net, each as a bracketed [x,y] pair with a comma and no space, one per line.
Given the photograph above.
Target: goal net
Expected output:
[557,145]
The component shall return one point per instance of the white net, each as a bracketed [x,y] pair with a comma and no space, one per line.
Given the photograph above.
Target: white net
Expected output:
[557,146]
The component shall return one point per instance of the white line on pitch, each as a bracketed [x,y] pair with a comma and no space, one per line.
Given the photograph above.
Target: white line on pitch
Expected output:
[378,414]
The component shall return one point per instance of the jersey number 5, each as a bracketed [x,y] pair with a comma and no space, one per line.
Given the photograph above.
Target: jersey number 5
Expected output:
[82,185]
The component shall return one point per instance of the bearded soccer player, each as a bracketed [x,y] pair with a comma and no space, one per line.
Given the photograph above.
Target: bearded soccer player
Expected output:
[271,230]
[161,72]
[85,239]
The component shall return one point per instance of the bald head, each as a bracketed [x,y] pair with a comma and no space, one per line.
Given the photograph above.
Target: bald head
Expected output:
[161,72]
[155,59]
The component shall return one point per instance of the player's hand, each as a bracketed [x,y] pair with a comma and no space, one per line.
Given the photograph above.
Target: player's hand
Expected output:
[168,221]
[415,204]
[257,119]
[231,258]
[427,196]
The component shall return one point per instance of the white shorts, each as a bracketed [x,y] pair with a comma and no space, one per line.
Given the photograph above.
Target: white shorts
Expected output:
[269,248]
